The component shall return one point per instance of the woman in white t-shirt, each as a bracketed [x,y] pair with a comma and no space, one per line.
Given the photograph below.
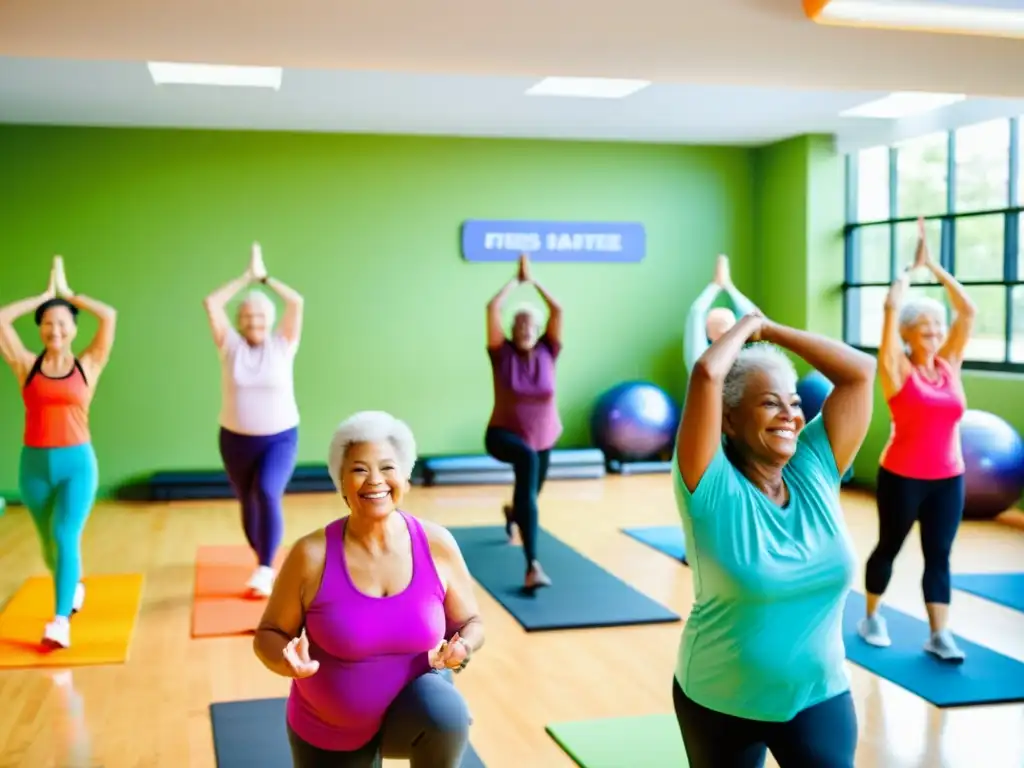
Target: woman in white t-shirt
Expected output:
[259,417]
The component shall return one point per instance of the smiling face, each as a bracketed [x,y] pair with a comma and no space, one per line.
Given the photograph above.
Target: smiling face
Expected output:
[253,321]
[57,329]
[525,331]
[924,335]
[372,481]
[768,419]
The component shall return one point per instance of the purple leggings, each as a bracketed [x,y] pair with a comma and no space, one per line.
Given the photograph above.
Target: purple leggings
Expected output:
[259,468]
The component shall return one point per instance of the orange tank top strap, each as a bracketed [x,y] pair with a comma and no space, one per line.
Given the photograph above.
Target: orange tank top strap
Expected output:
[56,408]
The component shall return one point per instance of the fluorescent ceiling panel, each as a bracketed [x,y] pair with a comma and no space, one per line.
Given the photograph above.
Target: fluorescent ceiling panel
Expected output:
[587,87]
[903,104]
[170,73]
[998,18]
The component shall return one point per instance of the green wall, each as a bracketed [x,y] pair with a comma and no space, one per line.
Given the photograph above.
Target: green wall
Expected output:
[800,205]
[367,228]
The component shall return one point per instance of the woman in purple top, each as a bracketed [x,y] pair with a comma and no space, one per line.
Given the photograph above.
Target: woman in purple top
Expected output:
[359,615]
[524,424]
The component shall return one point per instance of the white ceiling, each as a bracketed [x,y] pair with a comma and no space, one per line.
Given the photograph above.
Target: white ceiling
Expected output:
[726,71]
[52,91]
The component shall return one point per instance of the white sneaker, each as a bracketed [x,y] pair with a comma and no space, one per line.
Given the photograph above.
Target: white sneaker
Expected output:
[76,604]
[57,633]
[261,582]
[942,645]
[874,632]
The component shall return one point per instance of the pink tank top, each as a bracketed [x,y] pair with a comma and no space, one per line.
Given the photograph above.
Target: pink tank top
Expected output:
[369,648]
[925,440]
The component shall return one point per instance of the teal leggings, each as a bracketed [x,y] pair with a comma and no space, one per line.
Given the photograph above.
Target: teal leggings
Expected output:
[58,485]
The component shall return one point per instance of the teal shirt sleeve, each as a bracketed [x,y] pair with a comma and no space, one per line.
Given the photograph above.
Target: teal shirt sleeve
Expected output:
[717,485]
[741,304]
[696,339]
[814,440]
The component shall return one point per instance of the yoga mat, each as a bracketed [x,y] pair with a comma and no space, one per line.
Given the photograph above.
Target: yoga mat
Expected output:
[220,606]
[651,741]
[986,677]
[583,594]
[251,734]
[101,633]
[1003,588]
[667,539]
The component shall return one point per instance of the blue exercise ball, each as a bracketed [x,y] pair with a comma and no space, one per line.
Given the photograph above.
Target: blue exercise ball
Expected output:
[634,421]
[813,389]
[994,457]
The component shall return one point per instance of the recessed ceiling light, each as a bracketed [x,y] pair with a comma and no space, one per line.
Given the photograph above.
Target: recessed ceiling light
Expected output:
[171,73]
[587,87]
[903,104]
[984,17]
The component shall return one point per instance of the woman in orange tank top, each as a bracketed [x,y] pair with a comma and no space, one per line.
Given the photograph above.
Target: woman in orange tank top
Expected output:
[58,473]
[921,476]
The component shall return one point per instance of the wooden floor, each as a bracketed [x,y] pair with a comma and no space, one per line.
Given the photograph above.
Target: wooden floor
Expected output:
[153,711]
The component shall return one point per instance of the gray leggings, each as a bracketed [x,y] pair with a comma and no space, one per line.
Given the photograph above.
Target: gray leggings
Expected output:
[427,724]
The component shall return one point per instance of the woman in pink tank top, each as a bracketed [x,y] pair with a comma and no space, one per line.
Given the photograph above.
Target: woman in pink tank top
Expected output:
[921,473]
[369,614]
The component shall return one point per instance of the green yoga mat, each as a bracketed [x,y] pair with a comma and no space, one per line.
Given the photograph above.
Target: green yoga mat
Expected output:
[651,741]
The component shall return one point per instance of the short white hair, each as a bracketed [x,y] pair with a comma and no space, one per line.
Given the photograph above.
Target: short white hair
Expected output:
[371,427]
[921,306]
[529,309]
[759,356]
[260,301]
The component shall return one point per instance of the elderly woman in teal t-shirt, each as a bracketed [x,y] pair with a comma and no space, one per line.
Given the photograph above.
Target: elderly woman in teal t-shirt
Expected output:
[761,660]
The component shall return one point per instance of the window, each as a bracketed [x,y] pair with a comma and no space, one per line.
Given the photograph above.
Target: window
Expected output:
[965,183]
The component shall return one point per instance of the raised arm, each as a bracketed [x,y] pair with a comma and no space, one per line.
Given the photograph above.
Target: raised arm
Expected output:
[953,348]
[11,348]
[847,410]
[740,303]
[285,614]
[215,303]
[893,365]
[695,340]
[554,327]
[95,357]
[97,354]
[291,323]
[700,429]
[495,331]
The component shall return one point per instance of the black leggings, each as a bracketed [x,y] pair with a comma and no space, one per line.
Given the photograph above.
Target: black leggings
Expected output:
[427,724]
[531,469]
[937,506]
[822,736]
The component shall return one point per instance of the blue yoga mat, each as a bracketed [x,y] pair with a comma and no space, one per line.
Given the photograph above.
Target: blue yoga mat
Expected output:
[1003,588]
[667,539]
[583,594]
[251,734]
[986,677]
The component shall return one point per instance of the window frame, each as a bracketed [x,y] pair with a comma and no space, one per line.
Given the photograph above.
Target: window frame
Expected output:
[1012,276]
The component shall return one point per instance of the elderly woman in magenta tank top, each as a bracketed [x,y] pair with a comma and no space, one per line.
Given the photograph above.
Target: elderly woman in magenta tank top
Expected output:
[259,418]
[524,424]
[369,615]
[921,473]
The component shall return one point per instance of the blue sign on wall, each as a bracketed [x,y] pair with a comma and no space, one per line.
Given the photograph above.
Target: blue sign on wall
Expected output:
[553,241]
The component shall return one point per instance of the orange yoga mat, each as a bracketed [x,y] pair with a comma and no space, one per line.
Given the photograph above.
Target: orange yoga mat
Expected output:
[221,606]
[101,633]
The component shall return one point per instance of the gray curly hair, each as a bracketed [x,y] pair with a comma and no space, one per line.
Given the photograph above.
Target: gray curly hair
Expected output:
[758,356]
[921,306]
[259,301]
[371,427]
